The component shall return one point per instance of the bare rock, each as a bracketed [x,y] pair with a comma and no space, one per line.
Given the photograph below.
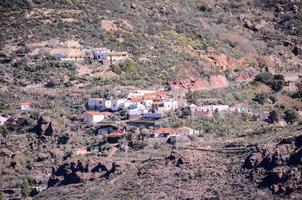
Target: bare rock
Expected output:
[133,6]
[260,25]
[248,24]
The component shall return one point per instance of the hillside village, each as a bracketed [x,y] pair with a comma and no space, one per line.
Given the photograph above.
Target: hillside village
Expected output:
[113,118]
[150,99]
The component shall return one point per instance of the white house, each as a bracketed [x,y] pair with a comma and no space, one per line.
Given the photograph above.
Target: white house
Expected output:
[93,117]
[160,133]
[107,104]
[25,106]
[117,104]
[99,104]
[148,102]
[2,120]
[220,108]
[184,131]
[165,105]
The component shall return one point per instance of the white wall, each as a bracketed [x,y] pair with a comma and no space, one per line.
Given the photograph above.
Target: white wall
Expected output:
[25,107]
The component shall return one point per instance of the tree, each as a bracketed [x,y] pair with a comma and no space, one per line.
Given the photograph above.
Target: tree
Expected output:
[260,98]
[273,117]
[265,77]
[279,77]
[277,85]
[290,116]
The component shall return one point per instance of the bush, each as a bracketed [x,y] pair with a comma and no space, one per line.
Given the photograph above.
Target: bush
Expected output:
[116,69]
[291,116]
[265,77]
[127,66]
[279,77]
[276,82]
[277,85]
[260,98]
[138,145]
[273,117]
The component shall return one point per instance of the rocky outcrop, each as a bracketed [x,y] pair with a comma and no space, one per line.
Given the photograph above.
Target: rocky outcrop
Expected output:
[44,127]
[277,165]
[215,81]
[218,81]
[254,26]
[82,171]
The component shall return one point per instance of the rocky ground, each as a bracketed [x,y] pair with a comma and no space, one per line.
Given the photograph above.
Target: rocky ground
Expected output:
[225,171]
[277,166]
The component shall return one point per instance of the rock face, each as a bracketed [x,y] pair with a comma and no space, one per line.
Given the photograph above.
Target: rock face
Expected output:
[278,166]
[82,171]
[215,81]
[218,81]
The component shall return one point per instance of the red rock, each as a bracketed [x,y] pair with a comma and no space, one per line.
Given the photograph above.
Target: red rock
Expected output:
[218,81]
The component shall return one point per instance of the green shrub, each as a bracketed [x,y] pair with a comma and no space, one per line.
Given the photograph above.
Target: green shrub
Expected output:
[128,66]
[277,85]
[116,69]
[265,77]
[273,117]
[291,116]
[276,82]
[260,98]
[139,144]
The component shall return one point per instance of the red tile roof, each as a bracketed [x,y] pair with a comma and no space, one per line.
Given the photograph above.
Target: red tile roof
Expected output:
[93,113]
[116,134]
[136,99]
[163,130]
[25,103]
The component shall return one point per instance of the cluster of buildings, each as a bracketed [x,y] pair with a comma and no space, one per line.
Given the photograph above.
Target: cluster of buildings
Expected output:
[171,132]
[208,110]
[162,135]
[103,56]
[141,104]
